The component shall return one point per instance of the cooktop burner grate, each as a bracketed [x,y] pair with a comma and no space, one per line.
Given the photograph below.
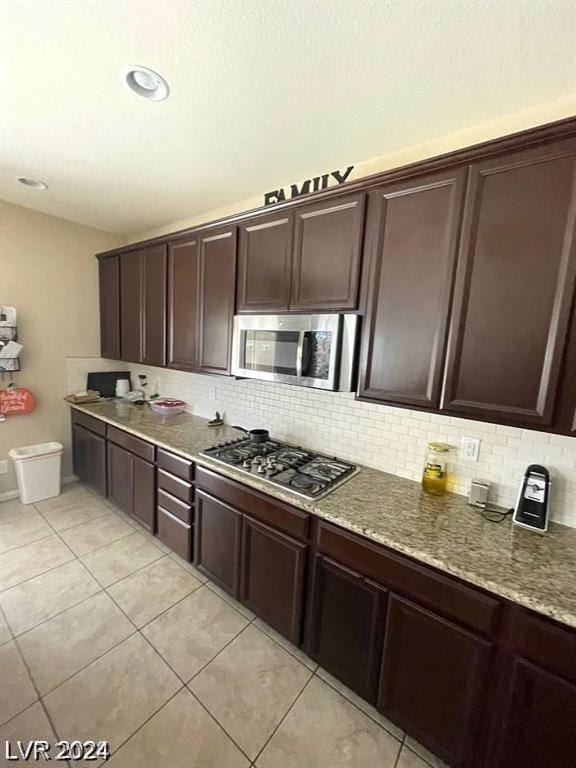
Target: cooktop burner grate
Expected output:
[303,472]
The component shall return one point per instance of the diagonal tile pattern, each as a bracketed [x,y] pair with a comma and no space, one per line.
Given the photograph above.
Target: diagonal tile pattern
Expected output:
[106,635]
[152,590]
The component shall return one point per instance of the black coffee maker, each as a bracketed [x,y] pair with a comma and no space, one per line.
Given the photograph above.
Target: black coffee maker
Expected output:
[531,510]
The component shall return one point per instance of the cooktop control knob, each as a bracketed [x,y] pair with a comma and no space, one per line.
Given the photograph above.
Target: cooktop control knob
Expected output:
[247,463]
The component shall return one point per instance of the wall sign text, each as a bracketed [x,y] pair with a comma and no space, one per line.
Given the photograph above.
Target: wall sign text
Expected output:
[316,184]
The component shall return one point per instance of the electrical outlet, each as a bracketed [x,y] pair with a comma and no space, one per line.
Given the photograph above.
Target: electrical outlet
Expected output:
[212,394]
[470,448]
[3,467]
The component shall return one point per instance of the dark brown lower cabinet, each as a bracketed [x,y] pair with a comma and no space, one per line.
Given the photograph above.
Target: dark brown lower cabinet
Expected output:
[539,729]
[143,492]
[131,485]
[346,626]
[273,577]
[217,542]
[175,533]
[89,458]
[434,681]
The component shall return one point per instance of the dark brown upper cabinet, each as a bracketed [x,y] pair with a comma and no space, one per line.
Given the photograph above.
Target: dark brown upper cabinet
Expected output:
[566,414]
[131,306]
[183,300]
[217,281]
[326,254]
[410,254]
[514,286]
[154,305]
[109,283]
[143,306]
[264,264]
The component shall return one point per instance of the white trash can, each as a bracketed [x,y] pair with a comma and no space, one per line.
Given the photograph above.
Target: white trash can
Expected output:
[37,471]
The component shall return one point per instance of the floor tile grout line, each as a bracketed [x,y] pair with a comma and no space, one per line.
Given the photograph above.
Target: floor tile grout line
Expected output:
[290,708]
[36,575]
[165,610]
[108,513]
[106,586]
[32,541]
[46,712]
[102,546]
[221,650]
[131,736]
[89,663]
[279,644]
[218,723]
[56,615]
[359,708]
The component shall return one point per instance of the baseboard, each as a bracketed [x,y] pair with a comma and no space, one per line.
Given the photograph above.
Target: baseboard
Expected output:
[13,493]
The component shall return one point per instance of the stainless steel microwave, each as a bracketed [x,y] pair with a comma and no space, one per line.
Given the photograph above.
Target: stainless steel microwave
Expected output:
[306,350]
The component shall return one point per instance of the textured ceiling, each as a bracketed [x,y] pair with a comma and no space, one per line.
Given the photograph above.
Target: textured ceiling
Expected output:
[263,93]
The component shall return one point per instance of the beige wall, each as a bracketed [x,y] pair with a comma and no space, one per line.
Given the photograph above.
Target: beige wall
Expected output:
[49,273]
[541,114]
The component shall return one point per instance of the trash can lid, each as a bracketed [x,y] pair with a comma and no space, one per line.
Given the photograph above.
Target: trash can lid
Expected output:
[35,451]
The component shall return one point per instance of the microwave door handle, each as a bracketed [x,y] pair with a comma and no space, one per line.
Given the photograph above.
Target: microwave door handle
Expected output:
[300,354]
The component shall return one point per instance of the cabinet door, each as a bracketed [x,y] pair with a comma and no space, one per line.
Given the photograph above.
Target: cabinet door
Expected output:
[411,241]
[120,477]
[217,542]
[346,623]
[143,492]
[131,307]
[326,254]
[97,463]
[109,284]
[183,305]
[566,413]
[264,264]
[217,289]
[514,286]
[273,570]
[154,305]
[80,464]
[540,726]
[434,680]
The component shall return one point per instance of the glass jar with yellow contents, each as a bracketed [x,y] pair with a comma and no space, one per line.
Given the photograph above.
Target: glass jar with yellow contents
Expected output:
[435,475]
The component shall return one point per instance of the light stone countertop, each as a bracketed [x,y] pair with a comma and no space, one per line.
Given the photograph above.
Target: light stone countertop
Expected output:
[537,571]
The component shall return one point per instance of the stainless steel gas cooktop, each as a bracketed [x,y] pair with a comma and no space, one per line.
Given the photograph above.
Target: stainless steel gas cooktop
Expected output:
[308,474]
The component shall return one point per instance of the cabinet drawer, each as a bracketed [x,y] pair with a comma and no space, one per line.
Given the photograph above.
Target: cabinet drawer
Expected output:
[548,644]
[131,443]
[176,465]
[175,534]
[465,604]
[255,504]
[179,488]
[176,507]
[89,422]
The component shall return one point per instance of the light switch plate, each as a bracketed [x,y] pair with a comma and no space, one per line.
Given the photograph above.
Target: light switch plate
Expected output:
[470,448]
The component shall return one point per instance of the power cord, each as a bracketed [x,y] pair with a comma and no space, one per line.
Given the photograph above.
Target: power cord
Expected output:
[494,515]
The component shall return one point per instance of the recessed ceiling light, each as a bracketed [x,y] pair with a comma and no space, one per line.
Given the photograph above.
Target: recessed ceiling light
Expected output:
[145,82]
[32,183]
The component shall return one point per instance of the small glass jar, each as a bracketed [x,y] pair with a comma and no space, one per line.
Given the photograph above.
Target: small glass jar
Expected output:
[435,475]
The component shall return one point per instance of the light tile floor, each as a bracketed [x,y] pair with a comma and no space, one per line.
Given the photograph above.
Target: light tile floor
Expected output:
[106,635]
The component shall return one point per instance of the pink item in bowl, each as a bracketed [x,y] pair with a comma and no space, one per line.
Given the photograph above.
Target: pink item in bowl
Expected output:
[168,406]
